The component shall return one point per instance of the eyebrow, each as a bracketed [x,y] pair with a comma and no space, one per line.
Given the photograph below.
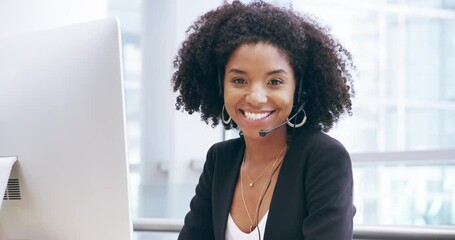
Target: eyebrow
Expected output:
[277,71]
[238,71]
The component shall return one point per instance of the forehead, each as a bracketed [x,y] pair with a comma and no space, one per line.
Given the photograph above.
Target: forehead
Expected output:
[259,55]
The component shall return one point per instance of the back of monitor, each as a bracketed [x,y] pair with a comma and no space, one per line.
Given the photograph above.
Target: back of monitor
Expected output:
[62,115]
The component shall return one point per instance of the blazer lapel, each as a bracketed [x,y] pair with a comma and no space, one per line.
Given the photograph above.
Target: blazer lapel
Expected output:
[225,178]
[288,201]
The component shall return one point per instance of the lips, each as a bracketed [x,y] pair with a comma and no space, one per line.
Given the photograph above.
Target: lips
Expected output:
[256,116]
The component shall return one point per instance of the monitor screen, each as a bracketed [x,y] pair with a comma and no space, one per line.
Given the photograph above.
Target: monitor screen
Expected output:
[62,115]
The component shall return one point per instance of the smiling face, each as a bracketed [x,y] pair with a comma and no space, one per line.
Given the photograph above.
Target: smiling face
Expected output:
[259,88]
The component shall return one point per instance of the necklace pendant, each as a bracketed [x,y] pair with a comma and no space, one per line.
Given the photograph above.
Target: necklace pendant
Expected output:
[251,184]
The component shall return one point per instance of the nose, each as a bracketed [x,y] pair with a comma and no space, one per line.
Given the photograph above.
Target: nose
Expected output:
[257,95]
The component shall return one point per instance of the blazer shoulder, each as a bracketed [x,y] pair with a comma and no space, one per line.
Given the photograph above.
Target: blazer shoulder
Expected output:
[227,149]
[227,146]
[319,146]
[317,139]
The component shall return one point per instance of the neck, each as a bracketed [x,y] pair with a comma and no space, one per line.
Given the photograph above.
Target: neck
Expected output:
[261,150]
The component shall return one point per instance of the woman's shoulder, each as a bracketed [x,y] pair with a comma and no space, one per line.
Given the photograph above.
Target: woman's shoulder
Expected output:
[316,143]
[314,138]
[228,149]
[228,145]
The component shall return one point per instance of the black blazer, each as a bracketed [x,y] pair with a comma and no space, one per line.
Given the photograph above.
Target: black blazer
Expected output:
[312,197]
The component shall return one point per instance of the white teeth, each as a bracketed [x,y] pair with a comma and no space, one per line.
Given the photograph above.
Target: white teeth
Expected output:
[256,116]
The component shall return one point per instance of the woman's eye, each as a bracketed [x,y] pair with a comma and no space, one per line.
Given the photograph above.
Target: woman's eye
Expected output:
[239,81]
[275,82]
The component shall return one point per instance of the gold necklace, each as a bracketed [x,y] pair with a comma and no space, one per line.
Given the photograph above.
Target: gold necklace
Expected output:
[253,225]
[270,164]
[261,196]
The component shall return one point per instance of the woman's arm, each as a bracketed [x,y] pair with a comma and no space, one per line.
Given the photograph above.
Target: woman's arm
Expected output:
[329,188]
[198,222]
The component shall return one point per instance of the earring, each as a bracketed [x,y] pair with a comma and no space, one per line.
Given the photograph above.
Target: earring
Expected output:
[299,124]
[227,122]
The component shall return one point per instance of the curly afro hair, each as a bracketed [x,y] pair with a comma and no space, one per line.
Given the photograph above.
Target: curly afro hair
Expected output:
[322,66]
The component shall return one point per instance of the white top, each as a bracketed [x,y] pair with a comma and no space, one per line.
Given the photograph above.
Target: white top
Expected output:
[234,233]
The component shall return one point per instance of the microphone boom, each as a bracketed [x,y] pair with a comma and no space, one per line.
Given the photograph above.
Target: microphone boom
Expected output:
[266,132]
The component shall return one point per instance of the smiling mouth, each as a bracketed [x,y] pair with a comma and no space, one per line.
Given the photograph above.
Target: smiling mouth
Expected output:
[256,116]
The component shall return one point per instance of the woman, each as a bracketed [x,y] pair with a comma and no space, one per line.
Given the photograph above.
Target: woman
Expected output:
[282,80]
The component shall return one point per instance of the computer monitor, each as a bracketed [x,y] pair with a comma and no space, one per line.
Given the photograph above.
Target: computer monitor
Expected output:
[62,114]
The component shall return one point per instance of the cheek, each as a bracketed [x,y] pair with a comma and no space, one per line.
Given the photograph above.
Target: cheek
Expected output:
[288,106]
[287,100]
[229,100]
